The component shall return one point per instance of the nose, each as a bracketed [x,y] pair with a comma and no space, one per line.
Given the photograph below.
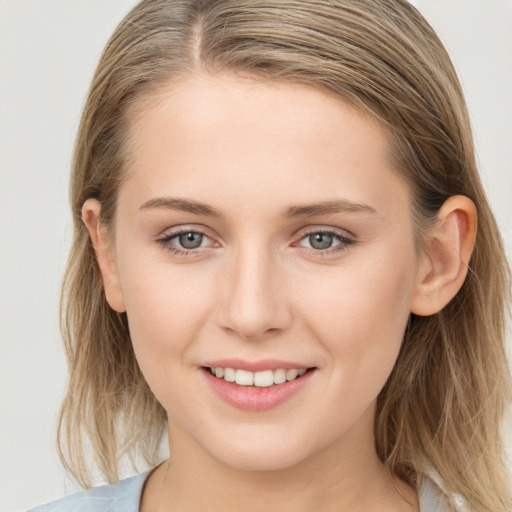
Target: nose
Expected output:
[254,301]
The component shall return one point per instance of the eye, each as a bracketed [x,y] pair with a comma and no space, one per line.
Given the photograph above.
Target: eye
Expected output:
[325,241]
[185,241]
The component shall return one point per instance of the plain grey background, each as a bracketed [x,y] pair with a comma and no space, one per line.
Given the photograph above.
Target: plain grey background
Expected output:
[48,52]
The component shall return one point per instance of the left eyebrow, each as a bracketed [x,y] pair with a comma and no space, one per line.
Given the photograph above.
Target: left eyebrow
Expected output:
[325,207]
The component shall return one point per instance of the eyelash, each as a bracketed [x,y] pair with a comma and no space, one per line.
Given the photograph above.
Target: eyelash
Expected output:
[344,242]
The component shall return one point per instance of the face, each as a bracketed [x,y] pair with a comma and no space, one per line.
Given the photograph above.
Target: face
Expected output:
[263,232]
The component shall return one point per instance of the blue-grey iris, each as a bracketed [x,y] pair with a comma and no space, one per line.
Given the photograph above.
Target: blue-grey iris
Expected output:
[320,240]
[190,240]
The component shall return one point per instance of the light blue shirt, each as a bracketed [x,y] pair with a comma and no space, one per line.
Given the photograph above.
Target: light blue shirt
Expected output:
[125,497]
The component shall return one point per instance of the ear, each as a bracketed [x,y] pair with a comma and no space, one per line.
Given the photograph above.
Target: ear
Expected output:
[91,218]
[444,265]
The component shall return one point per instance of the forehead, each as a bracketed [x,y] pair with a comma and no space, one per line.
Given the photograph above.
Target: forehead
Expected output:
[293,111]
[237,137]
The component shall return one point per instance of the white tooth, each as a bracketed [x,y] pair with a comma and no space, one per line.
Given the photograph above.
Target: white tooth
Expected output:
[219,372]
[291,374]
[264,379]
[279,376]
[229,374]
[244,378]
[301,372]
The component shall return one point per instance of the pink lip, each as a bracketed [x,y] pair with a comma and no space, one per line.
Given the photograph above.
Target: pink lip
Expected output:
[254,366]
[250,398]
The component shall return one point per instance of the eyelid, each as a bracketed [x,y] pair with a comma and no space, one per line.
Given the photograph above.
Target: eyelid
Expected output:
[187,228]
[345,233]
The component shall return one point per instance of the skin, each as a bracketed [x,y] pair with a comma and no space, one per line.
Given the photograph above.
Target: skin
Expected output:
[257,289]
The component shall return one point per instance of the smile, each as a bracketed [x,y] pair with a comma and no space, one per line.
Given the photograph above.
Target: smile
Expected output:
[259,390]
[261,379]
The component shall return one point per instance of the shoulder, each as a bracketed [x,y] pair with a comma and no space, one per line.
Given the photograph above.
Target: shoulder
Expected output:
[434,498]
[124,496]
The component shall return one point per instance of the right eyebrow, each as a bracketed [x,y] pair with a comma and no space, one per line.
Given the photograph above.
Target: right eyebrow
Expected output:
[185,205]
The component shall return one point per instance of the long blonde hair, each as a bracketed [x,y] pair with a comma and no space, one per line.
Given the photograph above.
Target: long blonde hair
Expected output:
[443,405]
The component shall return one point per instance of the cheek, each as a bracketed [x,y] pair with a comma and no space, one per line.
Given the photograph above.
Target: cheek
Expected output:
[166,307]
[359,312]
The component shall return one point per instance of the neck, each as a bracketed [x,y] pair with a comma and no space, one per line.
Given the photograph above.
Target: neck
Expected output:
[345,476]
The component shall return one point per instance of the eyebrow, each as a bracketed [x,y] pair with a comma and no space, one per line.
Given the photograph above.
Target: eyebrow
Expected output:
[325,207]
[305,210]
[185,205]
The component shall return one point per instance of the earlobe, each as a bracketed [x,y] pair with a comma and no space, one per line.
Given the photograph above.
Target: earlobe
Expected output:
[91,217]
[445,263]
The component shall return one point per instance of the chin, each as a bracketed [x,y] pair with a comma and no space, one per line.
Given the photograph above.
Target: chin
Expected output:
[259,455]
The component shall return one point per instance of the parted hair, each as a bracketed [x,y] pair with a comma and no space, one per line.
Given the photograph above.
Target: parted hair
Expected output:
[442,407]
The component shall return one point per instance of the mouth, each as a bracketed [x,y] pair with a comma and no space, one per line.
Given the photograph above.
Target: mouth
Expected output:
[260,390]
[259,379]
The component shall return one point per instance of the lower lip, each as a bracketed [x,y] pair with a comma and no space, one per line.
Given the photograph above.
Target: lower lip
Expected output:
[255,399]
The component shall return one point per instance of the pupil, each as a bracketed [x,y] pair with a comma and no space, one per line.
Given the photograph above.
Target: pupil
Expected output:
[320,240]
[191,240]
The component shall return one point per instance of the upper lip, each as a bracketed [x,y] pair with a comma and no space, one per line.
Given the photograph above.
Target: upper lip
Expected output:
[255,366]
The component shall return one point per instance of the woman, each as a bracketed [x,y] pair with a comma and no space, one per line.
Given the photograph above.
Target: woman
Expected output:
[277,260]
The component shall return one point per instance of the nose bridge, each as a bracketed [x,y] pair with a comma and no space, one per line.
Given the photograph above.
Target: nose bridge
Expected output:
[253,300]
